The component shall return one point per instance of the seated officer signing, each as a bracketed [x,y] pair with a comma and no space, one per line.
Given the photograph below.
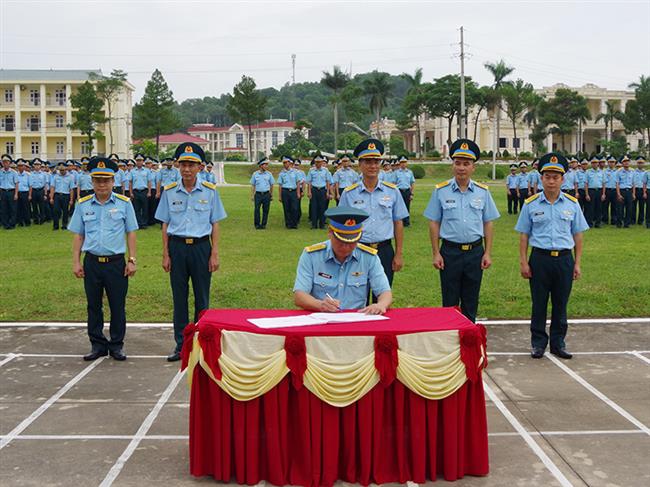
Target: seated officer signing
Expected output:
[190,211]
[552,223]
[335,274]
[100,222]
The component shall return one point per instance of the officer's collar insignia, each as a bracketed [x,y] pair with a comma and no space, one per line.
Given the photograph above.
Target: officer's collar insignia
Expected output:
[464,146]
[350,223]
[188,148]
[371,146]
[553,160]
[101,165]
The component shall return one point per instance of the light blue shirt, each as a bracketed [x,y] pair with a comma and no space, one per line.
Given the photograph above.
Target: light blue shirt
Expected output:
[300,175]
[38,180]
[384,204]
[569,180]
[140,178]
[535,180]
[153,178]
[103,226]
[119,177]
[168,176]
[625,178]
[75,178]
[319,274]
[190,214]
[522,180]
[581,178]
[209,177]
[595,178]
[512,181]
[23,181]
[63,184]
[404,178]
[345,177]
[85,181]
[8,178]
[646,179]
[288,179]
[262,181]
[551,226]
[461,214]
[388,176]
[319,178]
[610,178]
[639,174]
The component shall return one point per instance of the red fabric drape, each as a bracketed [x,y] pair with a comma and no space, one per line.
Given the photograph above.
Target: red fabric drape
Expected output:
[289,436]
[471,340]
[188,344]
[210,342]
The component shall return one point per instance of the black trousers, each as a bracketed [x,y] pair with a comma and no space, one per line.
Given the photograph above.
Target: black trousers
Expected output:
[7,208]
[60,210]
[262,202]
[386,254]
[406,196]
[523,194]
[85,192]
[22,209]
[609,206]
[141,207]
[38,210]
[109,277]
[152,205]
[299,211]
[188,261]
[551,276]
[460,280]
[582,199]
[118,189]
[625,209]
[593,208]
[290,206]
[512,201]
[318,207]
[639,207]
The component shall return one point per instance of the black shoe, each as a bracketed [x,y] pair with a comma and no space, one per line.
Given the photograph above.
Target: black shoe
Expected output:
[561,353]
[597,226]
[64,228]
[118,355]
[537,352]
[94,355]
[174,357]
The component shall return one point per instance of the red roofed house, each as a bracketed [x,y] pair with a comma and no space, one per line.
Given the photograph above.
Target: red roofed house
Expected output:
[173,140]
[234,139]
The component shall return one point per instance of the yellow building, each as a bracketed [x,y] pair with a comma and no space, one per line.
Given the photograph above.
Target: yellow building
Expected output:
[35,114]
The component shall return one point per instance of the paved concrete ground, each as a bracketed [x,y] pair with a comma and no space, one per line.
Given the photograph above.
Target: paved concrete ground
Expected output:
[66,422]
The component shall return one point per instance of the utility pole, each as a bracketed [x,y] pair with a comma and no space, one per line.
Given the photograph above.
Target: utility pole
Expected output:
[293,69]
[462,85]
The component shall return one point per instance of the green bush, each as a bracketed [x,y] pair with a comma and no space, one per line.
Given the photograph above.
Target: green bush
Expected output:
[236,157]
[499,172]
[506,154]
[434,154]
[526,155]
[418,171]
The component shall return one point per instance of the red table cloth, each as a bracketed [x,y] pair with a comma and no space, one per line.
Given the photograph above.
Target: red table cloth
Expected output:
[307,413]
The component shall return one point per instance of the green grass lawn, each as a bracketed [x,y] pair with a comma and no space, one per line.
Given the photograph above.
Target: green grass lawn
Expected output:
[258,267]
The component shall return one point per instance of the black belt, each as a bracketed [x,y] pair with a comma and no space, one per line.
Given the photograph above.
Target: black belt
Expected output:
[626,189]
[104,259]
[262,192]
[188,240]
[23,191]
[145,189]
[551,253]
[64,194]
[288,189]
[463,246]
[377,245]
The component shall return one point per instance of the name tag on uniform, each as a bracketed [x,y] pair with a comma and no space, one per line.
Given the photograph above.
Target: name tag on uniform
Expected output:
[177,202]
[538,213]
[450,201]
[326,276]
[358,202]
[89,213]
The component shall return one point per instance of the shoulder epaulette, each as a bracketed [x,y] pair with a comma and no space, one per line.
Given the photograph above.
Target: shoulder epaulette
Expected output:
[120,196]
[365,248]
[352,186]
[481,185]
[532,198]
[209,185]
[390,185]
[85,198]
[572,198]
[442,185]
[315,247]
[171,185]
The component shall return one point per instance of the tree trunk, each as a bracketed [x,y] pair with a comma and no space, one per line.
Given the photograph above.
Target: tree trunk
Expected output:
[110,125]
[418,138]
[497,151]
[449,121]
[514,131]
[250,143]
[478,114]
[336,127]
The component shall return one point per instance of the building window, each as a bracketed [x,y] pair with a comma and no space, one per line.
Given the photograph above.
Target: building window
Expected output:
[555,147]
[60,148]
[7,123]
[32,123]
[503,142]
[58,121]
[35,97]
[59,97]
[85,147]
[9,148]
[9,96]
[239,140]
[35,148]
[516,142]
[274,139]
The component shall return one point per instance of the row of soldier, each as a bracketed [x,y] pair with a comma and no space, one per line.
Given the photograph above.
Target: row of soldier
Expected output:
[610,191]
[37,191]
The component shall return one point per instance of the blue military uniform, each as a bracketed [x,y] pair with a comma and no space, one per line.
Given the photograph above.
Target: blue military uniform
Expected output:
[301,178]
[262,182]
[62,185]
[8,195]
[581,180]
[289,183]
[103,227]
[512,184]
[624,196]
[523,183]
[639,202]
[594,182]
[319,180]
[22,205]
[188,218]
[140,182]
[38,180]
[405,180]
[344,177]
[551,228]
[462,216]
[534,178]
[609,205]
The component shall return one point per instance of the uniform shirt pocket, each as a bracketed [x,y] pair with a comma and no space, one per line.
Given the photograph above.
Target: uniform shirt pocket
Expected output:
[450,209]
[201,206]
[357,289]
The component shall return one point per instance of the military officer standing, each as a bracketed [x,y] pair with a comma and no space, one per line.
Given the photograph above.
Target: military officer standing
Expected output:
[344,177]
[166,176]
[8,193]
[461,214]
[140,191]
[24,195]
[318,181]
[639,200]
[120,177]
[534,178]
[385,205]
[289,192]
[594,190]
[405,182]
[61,196]
[262,182]
[624,194]
[512,182]
[552,224]
[85,186]
[301,179]
[190,212]
[335,275]
[609,205]
[100,223]
[38,181]
[523,183]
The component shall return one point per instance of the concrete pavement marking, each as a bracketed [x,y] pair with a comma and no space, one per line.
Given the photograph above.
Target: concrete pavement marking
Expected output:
[142,432]
[576,321]
[44,407]
[548,463]
[636,354]
[600,395]
[8,358]
[66,355]
[621,352]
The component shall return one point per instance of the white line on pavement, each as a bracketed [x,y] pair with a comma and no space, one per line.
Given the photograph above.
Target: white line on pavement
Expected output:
[67,355]
[141,433]
[621,352]
[8,358]
[600,395]
[642,357]
[527,438]
[32,417]
[576,321]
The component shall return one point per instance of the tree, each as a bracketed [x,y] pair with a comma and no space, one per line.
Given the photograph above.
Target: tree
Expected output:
[611,114]
[154,115]
[536,105]
[246,105]
[90,112]
[108,89]
[617,146]
[499,70]
[486,99]
[378,88]
[295,145]
[413,105]
[335,81]
[639,108]
[563,112]
[516,96]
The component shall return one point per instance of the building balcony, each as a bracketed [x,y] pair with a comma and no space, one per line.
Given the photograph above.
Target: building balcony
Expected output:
[7,130]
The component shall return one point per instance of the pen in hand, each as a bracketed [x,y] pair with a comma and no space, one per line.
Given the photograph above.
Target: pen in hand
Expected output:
[332,299]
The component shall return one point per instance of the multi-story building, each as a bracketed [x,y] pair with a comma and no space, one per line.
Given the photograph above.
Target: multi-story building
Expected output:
[171,141]
[36,113]
[234,138]
[481,127]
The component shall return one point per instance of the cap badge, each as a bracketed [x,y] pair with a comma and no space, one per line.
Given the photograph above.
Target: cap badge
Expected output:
[464,146]
[371,146]
[188,148]
[554,159]
[350,223]
[101,165]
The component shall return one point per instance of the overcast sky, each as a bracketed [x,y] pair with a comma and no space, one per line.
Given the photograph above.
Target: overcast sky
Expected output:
[204,47]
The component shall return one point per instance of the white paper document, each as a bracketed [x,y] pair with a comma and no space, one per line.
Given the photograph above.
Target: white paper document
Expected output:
[313,319]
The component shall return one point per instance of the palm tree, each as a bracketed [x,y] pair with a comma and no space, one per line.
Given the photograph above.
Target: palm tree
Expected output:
[611,114]
[642,84]
[415,85]
[535,107]
[499,70]
[485,99]
[516,96]
[335,81]
[378,87]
